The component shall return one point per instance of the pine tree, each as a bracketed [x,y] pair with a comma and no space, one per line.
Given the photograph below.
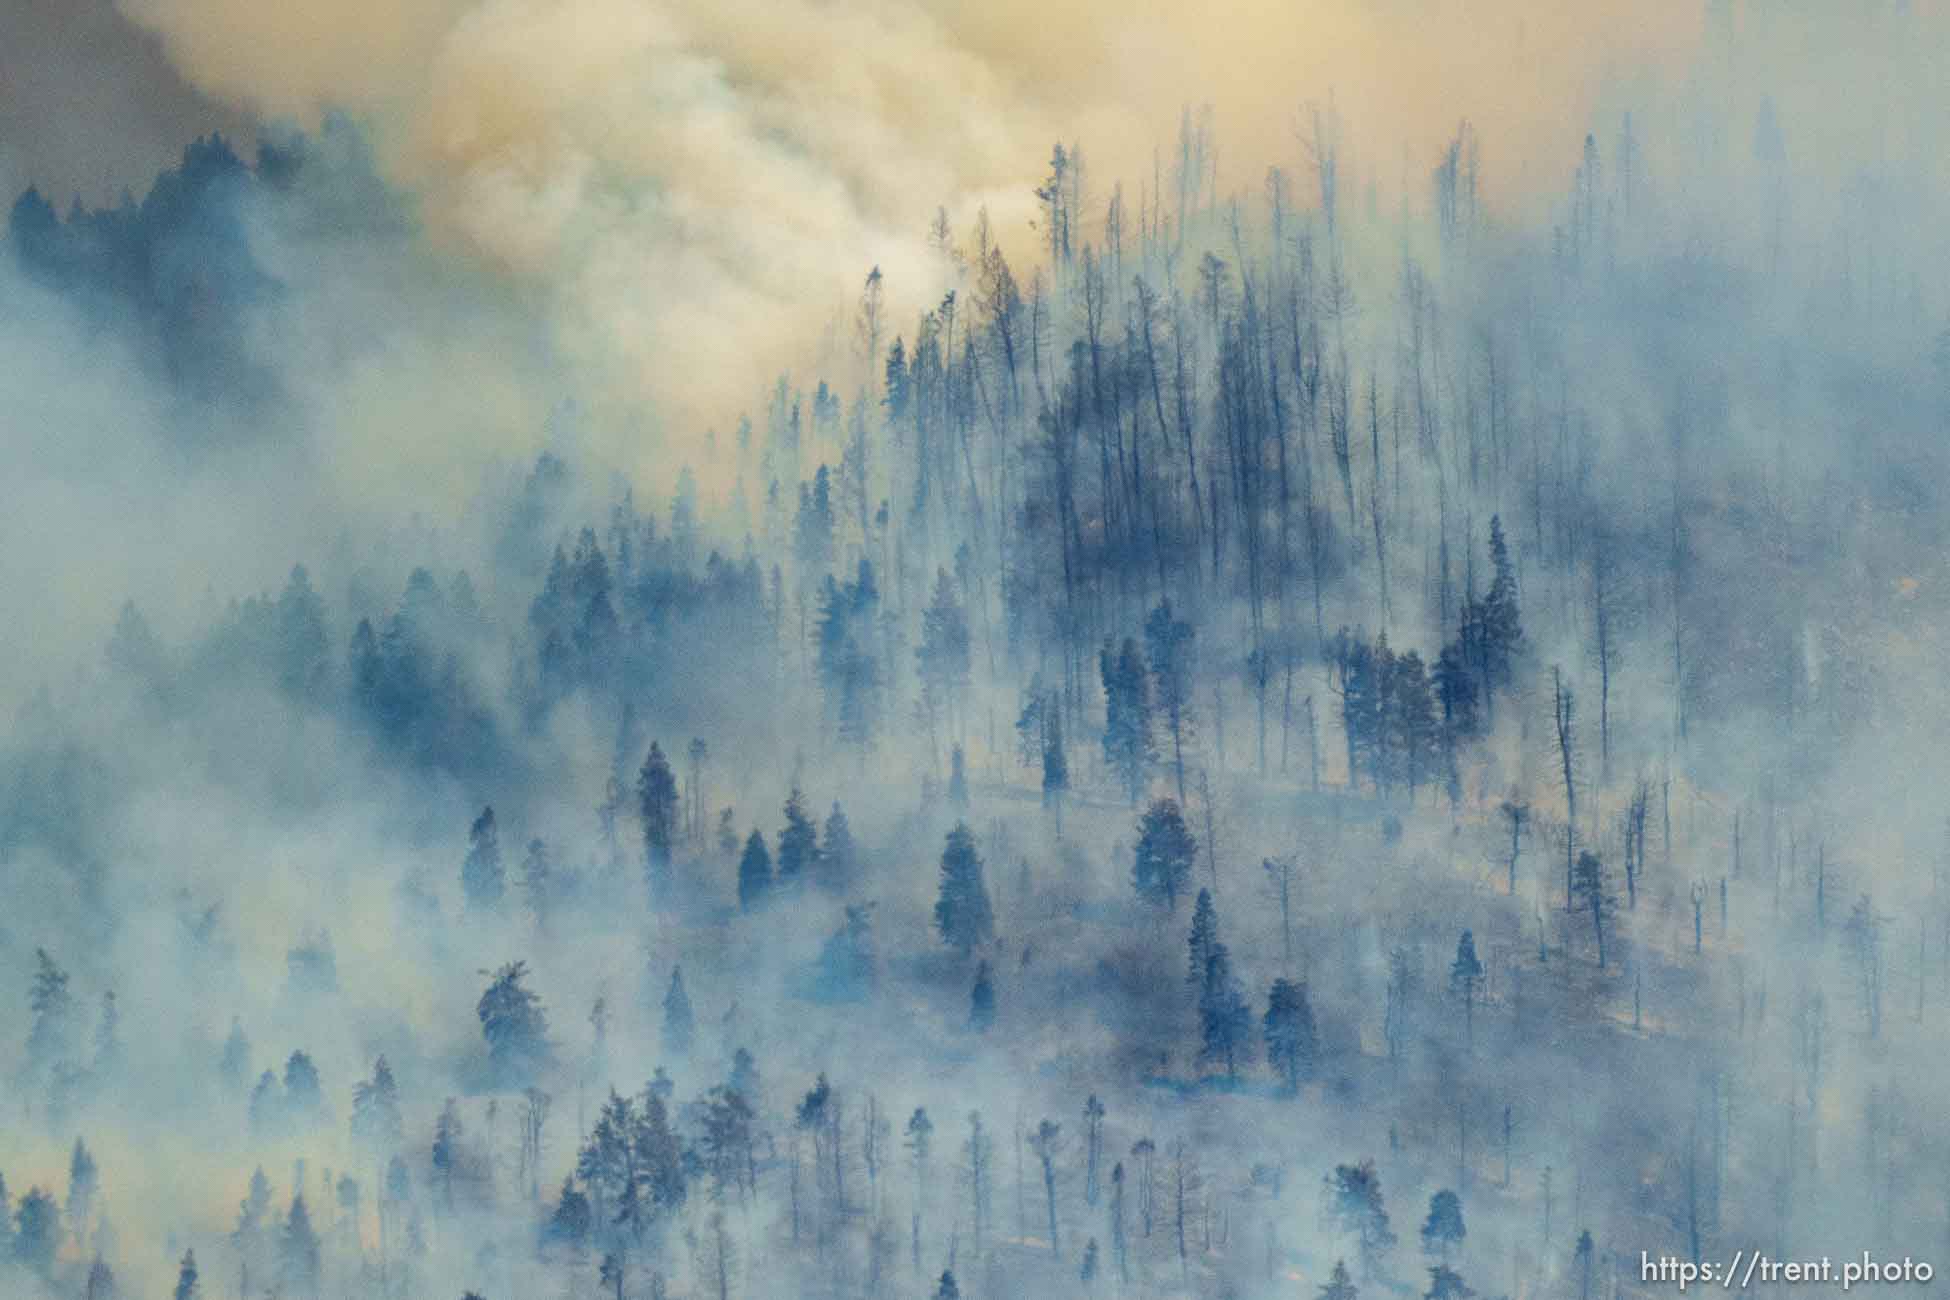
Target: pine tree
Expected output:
[1443,1230]
[84,1181]
[571,1223]
[52,1005]
[249,1235]
[37,1235]
[299,1254]
[446,1153]
[1291,1046]
[236,1065]
[1168,640]
[304,1095]
[1357,678]
[1225,1020]
[1339,1285]
[656,788]
[1127,716]
[1056,764]
[947,1290]
[186,1286]
[981,1000]
[1465,979]
[515,1027]
[957,778]
[944,659]
[482,877]
[1492,629]
[798,841]
[1589,889]
[1204,938]
[1354,1204]
[538,883]
[375,1110]
[754,872]
[1165,853]
[679,1025]
[962,913]
[846,960]
[838,855]
[1446,1284]
[1414,734]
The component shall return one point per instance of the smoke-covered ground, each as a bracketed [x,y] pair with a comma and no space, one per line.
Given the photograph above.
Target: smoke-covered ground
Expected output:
[652,652]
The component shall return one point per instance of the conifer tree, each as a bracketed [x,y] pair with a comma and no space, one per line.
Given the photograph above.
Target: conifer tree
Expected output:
[1204,937]
[656,789]
[1165,852]
[1127,716]
[754,872]
[52,1005]
[299,1254]
[514,1025]
[798,841]
[1465,979]
[679,1024]
[1443,1230]
[1291,1046]
[838,854]
[962,913]
[186,1278]
[981,1000]
[482,877]
[1225,1020]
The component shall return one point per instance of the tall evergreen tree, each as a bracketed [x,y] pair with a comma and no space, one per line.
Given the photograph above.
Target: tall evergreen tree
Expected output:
[1339,1286]
[446,1154]
[1204,938]
[679,1024]
[656,789]
[1355,1205]
[1291,1045]
[1162,869]
[1593,896]
[962,913]
[1127,716]
[376,1118]
[186,1278]
[37,1231]
[235,1067]
[1168,640]
[304,1095]
[84,1181]
[798,841]
[515,1027]
[754,872]
[1225,1019]
[1443,1230]
[300,1257]
[1446,1284]
[482,877]
[944,660]
[838,855]
[1465,980]
[52,1034]
[981,999]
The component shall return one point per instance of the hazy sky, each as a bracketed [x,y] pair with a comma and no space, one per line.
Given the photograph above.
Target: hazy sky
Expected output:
[88,103]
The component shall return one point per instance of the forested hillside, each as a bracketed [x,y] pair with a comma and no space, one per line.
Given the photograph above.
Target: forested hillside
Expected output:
[1347,732]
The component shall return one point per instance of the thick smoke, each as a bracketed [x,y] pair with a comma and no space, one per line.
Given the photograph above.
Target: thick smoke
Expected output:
[1676,318]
